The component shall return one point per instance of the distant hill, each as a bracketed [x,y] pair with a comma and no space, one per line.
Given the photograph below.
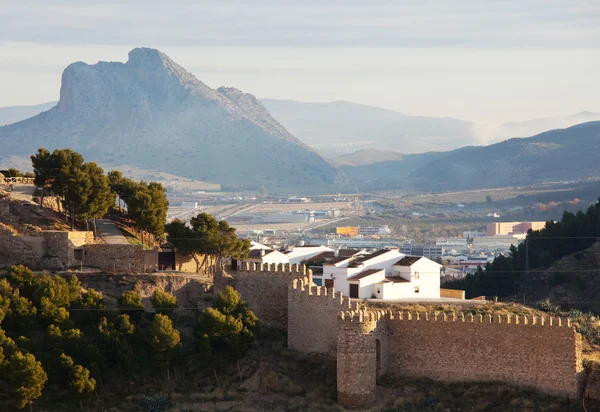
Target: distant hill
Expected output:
[342,127]
[535,126]
[151,113]
[365,157]
[13,114]
[557,155]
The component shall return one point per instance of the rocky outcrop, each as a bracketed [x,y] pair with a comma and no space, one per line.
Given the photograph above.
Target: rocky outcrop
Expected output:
[152,113]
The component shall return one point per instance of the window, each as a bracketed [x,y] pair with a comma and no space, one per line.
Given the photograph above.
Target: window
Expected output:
[416,275]
[318,282]
[416,289]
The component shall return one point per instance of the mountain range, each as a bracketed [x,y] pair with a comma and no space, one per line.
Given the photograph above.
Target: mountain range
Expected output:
[557,155]
[150,112]
[342,127]
[13,114]
[338,128]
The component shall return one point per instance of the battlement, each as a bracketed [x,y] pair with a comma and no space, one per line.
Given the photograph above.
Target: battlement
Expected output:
[274,267]
[373,316]
[305,286]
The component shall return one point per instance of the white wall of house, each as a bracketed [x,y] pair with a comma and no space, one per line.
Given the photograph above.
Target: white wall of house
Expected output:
[366,285]
[390,290]
[340,277]
[425,275]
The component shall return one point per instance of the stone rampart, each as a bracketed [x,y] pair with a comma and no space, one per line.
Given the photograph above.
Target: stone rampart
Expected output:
[543,353]
[265,288]
[312,317]
[115,257]
[452,293]
[62,245]
[15,251]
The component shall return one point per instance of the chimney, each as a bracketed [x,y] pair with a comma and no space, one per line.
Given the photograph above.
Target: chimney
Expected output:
[301,243]
[336,253]
[262,252]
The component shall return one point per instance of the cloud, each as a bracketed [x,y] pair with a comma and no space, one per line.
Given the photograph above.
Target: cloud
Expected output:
[306,23]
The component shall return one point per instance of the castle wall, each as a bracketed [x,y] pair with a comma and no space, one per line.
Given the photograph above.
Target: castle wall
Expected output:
[452,293]
[357,362]
[14,251]
[265,288]
[312,317]
[115,257]
[543,353]
[61,244]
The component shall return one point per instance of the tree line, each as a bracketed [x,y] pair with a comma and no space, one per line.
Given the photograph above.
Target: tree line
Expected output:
[205,238]
[86,193]
[60,342]
[13,172]
[505,275]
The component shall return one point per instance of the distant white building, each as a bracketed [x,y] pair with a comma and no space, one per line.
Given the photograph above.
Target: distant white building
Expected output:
[374,230]
[255,245]
[298,200]
[385,274]
[189,205]
[299,253]
[418,249]
[472,233]
[451,242]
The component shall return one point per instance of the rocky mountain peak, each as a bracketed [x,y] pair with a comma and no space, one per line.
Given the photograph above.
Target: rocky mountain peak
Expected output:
[151,112]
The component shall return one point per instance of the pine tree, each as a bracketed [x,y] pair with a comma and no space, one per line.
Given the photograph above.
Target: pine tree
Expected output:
[163,339]
[27,378]
[163,302]
[130,303]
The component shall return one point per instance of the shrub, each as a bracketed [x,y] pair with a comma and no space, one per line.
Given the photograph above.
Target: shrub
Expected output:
[163,302]
[158,403]
[130,303]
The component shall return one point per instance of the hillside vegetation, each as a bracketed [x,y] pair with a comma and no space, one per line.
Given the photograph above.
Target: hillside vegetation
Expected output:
[59,343]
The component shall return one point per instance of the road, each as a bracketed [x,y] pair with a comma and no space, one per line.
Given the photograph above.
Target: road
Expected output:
[110,233]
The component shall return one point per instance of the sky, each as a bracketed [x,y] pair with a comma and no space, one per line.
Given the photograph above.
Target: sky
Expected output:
[479,60]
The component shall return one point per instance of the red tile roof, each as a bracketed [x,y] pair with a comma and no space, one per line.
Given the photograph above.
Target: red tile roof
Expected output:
[364,274]
[397,279]
[256,253]
[407,261]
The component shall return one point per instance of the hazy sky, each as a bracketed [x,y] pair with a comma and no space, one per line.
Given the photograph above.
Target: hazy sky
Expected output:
[486,61]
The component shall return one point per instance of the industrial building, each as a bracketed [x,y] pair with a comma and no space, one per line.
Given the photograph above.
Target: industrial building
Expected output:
[510,228]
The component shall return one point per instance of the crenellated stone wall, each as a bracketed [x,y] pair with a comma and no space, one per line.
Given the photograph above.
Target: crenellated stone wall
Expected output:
[312,317]
[543,353]
[265,288]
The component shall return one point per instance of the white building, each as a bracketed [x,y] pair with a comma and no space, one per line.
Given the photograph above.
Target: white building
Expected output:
[385,274]
[300,253]
[374,230]
[255,245]
[266,256]
[428,251]
[472,234]
[189,205]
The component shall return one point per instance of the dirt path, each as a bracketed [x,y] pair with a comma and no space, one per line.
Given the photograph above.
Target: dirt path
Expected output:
[110,233]
[22,192]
